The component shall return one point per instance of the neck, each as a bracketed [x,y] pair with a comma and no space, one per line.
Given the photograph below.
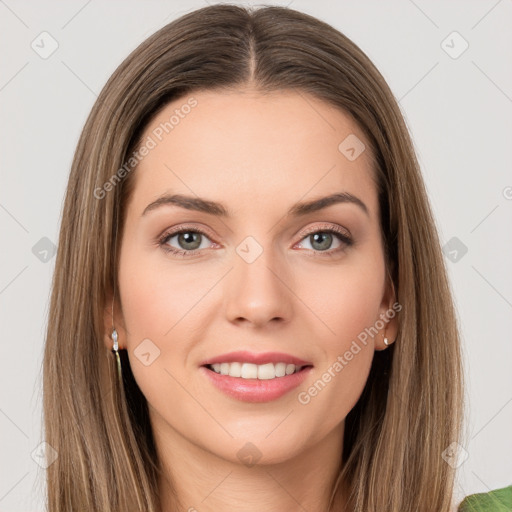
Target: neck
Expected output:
[197,480]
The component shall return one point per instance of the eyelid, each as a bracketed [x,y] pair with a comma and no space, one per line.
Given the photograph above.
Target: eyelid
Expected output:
[327,226]
[207,232]
[185,227]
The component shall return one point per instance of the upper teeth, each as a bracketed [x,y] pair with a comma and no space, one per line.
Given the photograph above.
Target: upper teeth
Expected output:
[255,371]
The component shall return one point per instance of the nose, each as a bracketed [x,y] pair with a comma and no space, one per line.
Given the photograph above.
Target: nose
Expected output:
[259,292]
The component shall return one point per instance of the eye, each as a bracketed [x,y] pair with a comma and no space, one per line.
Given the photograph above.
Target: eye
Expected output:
[189,241]
[321,240]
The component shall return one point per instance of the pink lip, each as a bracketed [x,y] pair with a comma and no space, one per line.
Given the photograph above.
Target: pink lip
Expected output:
[255,390]
[244,356]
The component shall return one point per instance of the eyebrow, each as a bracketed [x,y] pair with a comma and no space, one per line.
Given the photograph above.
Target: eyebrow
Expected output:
[213,208]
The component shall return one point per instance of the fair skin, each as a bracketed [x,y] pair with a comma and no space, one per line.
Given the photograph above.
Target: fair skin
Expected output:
[257,155]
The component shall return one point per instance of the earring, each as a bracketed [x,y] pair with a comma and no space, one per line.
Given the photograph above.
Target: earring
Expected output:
[115,349]
[386,342]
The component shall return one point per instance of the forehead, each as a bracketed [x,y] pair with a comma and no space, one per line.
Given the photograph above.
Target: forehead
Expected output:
[253,150]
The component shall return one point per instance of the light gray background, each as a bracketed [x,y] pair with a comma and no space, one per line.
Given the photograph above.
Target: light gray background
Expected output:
[459,113]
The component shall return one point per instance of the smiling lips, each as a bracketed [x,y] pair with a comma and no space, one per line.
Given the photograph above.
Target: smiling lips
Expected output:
[254,371]
[251,357]
[256,377]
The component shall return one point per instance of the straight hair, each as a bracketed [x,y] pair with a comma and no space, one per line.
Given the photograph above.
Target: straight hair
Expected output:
[410,410]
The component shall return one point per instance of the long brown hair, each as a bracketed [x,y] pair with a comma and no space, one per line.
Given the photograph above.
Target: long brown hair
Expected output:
[411,408]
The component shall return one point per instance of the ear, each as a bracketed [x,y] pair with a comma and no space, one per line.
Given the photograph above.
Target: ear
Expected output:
[388,316]
[116,319]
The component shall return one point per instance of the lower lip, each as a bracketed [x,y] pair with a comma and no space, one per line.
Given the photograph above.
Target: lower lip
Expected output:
[256,390]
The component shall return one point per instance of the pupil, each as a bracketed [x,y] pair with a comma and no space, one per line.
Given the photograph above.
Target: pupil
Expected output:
[322,237]
[189,238]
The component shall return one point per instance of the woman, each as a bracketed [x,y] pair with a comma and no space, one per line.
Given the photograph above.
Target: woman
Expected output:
[250,307]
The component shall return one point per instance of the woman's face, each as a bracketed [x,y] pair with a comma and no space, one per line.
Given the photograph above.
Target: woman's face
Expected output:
[265,276]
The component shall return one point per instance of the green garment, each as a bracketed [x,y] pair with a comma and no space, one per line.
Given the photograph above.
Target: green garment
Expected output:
[499,500]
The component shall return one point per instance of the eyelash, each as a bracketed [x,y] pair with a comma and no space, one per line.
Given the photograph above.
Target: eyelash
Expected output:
[342,237]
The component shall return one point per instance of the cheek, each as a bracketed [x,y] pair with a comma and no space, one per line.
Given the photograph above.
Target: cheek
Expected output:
[142,301]
[154,299]
[345,299]
[336,388]
[161,306]
[152,306]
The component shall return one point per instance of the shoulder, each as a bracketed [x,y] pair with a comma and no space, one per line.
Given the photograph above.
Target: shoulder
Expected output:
[499,500]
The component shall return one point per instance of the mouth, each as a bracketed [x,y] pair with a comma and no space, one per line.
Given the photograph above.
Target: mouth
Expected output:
[268,371]
[247,382]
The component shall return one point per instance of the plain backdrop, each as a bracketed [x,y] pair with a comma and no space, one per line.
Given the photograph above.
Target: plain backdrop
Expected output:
[448,63]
